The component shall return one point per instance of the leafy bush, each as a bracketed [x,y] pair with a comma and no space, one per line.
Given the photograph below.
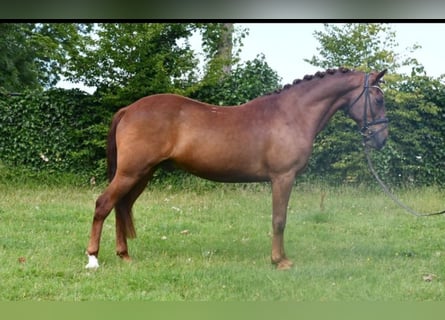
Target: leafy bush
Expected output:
[415,154]
[246,82]
[55,130]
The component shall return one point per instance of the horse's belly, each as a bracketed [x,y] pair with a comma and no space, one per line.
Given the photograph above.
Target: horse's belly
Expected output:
[224,168]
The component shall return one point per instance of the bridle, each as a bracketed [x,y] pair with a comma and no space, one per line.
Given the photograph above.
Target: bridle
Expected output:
[365,130]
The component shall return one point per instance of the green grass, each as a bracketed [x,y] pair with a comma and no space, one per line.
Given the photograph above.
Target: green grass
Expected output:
[355,245]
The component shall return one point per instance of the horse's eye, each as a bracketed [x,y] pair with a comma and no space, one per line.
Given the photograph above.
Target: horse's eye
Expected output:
[379,100]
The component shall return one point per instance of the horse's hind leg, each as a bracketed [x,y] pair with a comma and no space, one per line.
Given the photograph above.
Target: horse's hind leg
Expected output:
[124,221]
[117,189]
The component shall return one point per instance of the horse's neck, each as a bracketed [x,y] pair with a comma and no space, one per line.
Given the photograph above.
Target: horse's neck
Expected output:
[315,106]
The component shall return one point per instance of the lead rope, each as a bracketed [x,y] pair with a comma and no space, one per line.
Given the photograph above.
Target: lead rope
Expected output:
[391,195]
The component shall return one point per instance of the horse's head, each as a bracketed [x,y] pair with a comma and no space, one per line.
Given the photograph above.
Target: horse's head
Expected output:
[368,110]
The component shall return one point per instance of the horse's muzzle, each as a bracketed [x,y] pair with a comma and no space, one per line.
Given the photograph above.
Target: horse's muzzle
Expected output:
[376,137]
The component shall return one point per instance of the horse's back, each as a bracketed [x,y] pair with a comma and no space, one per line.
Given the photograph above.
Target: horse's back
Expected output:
[167,102]
[211,141]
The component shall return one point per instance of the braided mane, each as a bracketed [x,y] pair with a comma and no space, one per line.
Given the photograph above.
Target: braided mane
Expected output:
[319,74]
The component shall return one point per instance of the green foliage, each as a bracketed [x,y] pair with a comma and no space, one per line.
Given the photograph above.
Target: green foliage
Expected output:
[221,43]
[16,62]
[245,82]
[416,151]
[415,107]
[55,130]
[363,46]
[337,154]
[127,61]
[33,56]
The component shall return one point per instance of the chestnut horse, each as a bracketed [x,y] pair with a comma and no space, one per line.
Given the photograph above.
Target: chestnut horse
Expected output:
[267,139]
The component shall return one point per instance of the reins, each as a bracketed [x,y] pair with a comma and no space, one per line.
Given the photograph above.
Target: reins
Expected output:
[391,195]
[367,133]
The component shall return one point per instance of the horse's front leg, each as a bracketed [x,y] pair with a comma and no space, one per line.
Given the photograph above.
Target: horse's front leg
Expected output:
[281,190]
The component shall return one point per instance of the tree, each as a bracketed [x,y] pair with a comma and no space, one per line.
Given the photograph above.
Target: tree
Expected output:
[362,46]
[126,61]
[245,82]
[33,56]
[17,69]
[219,41]
[218,46]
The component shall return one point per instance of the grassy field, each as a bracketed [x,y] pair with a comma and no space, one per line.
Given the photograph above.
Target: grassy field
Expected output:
[348,244]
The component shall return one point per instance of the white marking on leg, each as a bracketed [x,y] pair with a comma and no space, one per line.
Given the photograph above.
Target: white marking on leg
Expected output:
[93,263]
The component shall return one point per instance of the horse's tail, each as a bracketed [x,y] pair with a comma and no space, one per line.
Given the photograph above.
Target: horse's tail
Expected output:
[111,145]
[123,206]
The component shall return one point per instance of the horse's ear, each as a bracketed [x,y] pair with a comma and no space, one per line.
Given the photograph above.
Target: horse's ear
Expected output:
[379,77]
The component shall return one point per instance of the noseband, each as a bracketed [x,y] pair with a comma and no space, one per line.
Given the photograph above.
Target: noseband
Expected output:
[365,130]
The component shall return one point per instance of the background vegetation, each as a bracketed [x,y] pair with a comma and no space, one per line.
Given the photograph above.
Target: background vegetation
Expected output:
[52,130]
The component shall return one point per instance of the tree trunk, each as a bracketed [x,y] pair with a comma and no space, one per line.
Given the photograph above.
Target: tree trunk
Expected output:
[225,45]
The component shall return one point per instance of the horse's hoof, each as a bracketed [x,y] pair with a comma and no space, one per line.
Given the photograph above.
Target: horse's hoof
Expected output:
[124,256]
[284,264]
[93,263]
